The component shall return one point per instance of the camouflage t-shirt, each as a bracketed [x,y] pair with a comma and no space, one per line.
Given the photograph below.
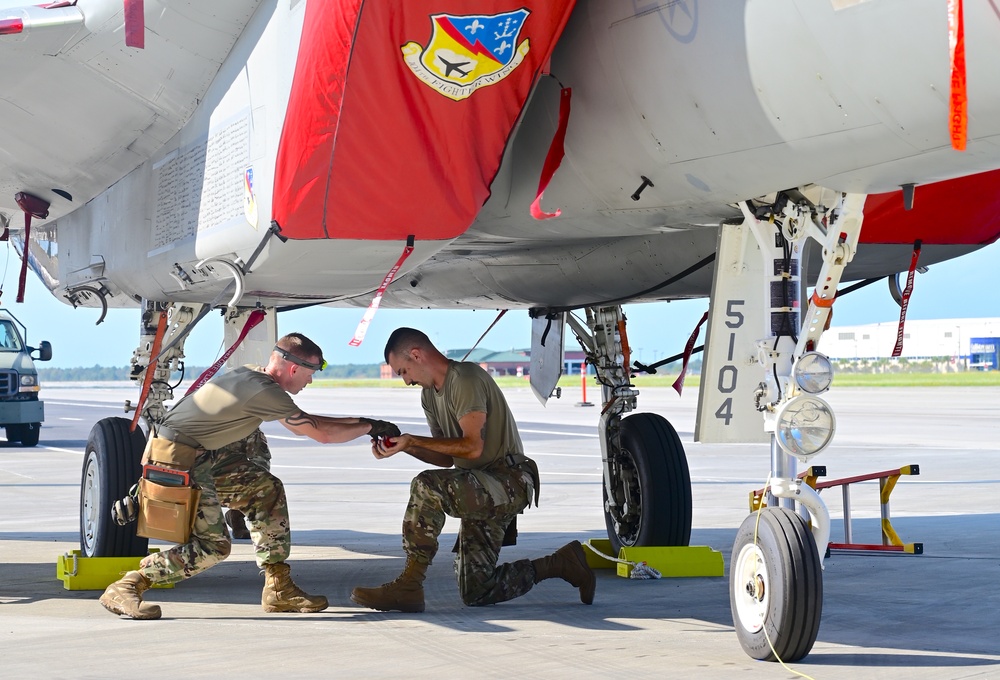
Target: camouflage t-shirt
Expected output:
[468,388]
[230,407]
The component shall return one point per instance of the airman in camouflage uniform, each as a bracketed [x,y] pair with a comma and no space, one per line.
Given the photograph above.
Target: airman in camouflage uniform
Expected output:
[221,420]
[230,476]
[255,449]
[488,482]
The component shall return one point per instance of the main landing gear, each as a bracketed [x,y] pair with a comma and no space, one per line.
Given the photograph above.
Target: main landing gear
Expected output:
[647,485]
[111,464]
[110,468]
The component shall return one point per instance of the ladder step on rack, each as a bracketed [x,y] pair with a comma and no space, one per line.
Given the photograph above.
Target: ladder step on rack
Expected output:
[886,483]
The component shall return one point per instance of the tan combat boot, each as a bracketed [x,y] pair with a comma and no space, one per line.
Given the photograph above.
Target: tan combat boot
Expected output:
[570,564]
[282,595]
[405,594]
[124,597]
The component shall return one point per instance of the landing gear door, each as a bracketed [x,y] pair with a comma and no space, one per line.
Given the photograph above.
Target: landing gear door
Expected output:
[256,347]
[547,358]
[730,371]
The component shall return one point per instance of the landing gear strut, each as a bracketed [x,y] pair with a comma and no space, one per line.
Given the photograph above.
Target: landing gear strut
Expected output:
[776,579]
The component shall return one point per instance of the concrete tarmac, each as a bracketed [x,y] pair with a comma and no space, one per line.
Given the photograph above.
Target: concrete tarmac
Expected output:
[935,615]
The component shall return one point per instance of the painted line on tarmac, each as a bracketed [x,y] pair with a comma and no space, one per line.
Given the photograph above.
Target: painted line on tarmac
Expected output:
[408,471]
[411,471]
[561,434]
[54,448]
[117,407]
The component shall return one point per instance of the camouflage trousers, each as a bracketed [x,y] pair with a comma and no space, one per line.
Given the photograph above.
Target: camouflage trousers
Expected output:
[236,476]
[486,502]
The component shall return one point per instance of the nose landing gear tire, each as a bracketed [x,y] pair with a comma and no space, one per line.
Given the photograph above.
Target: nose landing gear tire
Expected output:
[776,586]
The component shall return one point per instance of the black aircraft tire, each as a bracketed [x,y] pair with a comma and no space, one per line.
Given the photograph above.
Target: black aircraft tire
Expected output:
[111,465]
[661,482]
[776,585]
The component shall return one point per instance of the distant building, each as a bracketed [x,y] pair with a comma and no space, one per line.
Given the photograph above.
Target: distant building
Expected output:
[514,362]
[574,361]
[922,339]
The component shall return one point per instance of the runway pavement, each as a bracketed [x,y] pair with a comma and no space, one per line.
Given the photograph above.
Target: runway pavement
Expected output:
[936,615]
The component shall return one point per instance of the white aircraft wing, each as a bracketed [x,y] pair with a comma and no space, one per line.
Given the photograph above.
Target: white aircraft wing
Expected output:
[79,108]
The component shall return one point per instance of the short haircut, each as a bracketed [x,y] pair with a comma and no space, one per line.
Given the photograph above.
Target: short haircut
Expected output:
[403,340]
[301,346]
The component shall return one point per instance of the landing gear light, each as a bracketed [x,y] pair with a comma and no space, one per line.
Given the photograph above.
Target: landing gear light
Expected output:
[813,373]
[804,426]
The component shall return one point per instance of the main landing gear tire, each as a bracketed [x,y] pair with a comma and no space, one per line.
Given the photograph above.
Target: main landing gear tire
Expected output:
[652,485]
[776,586]
[111,466]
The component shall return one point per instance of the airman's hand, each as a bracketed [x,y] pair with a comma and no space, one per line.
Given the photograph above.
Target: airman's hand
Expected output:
[383,447]
[381,428]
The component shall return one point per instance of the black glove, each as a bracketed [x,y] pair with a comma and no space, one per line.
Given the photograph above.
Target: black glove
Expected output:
[381,428]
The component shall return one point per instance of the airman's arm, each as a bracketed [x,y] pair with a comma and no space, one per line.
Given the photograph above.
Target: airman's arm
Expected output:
[326,429]
[441,451]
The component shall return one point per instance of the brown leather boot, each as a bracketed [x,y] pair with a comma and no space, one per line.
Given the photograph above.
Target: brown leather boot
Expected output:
[282,595]
[570,564]
[124,597]
[405,594]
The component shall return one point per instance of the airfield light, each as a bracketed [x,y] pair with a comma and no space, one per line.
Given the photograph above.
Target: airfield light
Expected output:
[11,26]
[813,373]
[804,426]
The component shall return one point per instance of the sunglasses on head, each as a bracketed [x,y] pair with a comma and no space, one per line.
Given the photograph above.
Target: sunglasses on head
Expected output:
[288,356]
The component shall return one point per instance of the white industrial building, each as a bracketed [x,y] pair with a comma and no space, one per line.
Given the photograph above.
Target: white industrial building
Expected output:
[922,339]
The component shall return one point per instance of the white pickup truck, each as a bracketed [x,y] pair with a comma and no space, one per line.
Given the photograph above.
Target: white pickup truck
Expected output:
[21,411]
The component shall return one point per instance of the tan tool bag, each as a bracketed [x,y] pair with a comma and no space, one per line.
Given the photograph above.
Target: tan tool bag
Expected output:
[170,454]
[167,512]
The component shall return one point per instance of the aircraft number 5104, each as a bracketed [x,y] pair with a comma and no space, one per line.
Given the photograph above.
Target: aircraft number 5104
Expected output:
[728,374]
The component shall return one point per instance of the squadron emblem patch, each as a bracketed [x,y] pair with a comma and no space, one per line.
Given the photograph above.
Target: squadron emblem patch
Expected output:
[468,52]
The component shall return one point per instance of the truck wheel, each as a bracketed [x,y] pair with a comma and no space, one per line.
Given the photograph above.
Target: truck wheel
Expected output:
[28,433]
[111,465]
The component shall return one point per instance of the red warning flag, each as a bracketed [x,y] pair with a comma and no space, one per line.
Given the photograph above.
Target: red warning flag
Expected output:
[958,110]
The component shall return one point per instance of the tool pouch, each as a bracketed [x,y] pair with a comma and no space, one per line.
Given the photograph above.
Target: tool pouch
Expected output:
[164,452]
[167,512]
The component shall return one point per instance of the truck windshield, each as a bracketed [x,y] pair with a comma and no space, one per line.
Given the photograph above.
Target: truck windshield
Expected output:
[10,340]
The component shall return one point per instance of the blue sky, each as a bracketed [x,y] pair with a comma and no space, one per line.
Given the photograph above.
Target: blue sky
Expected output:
[965,287]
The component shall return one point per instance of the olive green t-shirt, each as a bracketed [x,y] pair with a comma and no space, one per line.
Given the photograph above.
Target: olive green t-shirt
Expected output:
[468,388]
[230,407]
